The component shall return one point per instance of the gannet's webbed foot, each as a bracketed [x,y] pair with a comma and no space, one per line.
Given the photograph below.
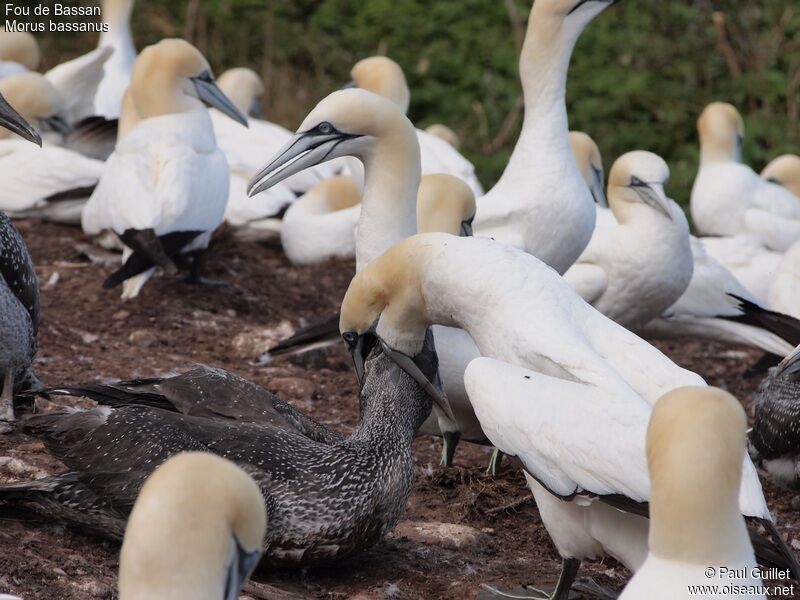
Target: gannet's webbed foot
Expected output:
[494,463]
[590,586]
[562,591]
[7,402]
[449,443]
[196,272]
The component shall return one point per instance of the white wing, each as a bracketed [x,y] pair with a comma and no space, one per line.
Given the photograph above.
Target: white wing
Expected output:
[30,175]
[571,437]
[77,81]
[776,232]
[589,280]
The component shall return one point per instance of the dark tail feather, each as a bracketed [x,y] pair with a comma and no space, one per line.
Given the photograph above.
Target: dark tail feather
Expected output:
[784,326]
[777,554]
[318,335]
[114,395]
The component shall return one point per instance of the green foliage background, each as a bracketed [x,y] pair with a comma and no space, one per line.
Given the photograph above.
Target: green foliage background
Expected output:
[640,75]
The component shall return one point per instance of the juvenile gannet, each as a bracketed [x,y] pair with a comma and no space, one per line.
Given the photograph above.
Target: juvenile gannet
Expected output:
[490,290]
[784,170]
[328,497]
[49,182]
[117,70]
[19,294]
[590,164]
[541,203]
[321,224]
[165,186]
[728,197]
[695,444]
[774,440]
[634,270]
[383,76]
[194,533]
[716,306]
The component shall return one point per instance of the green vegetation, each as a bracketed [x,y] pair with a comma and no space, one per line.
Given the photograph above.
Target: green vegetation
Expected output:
[640,75]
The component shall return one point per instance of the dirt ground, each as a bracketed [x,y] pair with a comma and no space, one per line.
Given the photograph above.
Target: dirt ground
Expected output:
[89,334]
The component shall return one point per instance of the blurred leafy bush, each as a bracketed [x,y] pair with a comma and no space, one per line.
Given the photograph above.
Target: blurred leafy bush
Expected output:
[640,75]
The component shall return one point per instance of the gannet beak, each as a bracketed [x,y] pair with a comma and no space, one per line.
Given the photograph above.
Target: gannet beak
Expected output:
[240,569]
[304,150]
[598,193]
[361,345]
[582,2]
[56,123]
[11,120]
[466,228]
[210,95]
[255,108]
[653,195]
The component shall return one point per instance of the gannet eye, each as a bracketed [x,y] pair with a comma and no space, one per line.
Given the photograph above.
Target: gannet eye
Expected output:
[350,337]
[325,128]
[636,182]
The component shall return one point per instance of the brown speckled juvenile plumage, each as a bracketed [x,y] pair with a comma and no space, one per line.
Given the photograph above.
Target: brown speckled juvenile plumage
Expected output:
[327,496]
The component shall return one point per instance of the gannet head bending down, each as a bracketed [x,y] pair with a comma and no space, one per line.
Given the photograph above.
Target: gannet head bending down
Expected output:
[19,52]
[195,531]
[590,164]
[721,131]
[446,204]
[172,204]
[354,122]
[173,77]
[635,269]
[695,445]
[36,100]
[784,170]
[245,89]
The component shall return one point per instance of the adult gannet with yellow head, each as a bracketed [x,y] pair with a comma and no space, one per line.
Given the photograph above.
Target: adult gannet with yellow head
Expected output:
[728,197]
[195,531]
[51,182]
[635,269]
[784,170]
[165,186]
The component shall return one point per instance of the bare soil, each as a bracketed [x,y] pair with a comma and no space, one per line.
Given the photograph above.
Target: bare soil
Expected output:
[89,334]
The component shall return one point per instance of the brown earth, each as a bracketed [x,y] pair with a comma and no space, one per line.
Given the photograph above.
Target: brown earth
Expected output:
[89,334]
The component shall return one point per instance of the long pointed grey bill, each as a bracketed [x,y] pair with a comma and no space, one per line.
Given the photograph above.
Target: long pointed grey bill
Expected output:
[466,227]
[653,199]
[210,95]
[598,187]
[13,121]
[240,569]
[304,150]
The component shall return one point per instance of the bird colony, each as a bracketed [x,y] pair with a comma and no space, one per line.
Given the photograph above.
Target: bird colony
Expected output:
[518,320]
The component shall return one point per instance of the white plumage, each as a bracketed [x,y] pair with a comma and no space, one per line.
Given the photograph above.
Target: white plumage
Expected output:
[753,265]
[116,74]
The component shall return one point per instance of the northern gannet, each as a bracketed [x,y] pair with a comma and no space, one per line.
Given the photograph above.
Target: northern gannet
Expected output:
[118,68]
[695,444]
[728,197]
[634,270]
[19,52]
[328,497]
[195,531]
[76,80]
[716,306]
[383,76]
[784,170]
[19,294]
[165,186]
[774,440]
[753,264]
[321,224]
[490,290]
[783,294]
[50,182]
[590,164]
[541,203]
